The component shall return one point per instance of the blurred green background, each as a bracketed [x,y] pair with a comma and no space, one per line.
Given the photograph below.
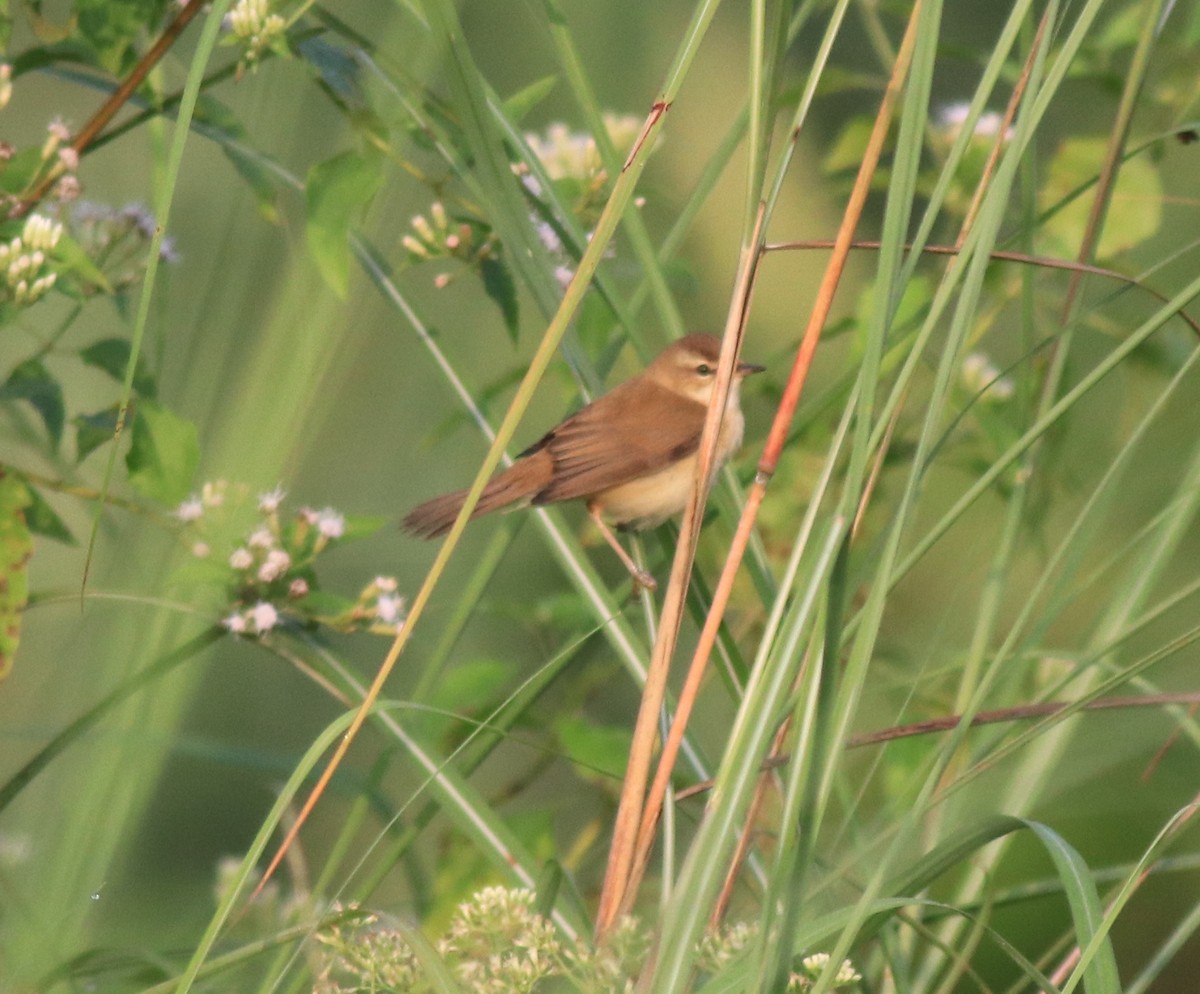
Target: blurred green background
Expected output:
[116,843]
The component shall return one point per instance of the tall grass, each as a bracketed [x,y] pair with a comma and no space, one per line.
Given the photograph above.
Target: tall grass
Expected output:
[974,500]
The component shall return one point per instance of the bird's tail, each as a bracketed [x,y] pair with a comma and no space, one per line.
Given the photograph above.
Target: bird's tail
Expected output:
[520,482]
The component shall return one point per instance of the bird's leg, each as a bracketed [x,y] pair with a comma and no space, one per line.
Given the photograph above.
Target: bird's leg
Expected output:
[640,576]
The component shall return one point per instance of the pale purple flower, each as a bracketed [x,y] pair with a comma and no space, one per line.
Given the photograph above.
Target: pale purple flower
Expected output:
[241,559]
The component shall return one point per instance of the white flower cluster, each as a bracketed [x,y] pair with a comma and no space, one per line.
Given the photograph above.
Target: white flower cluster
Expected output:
[269,572]
[573,159]
[253,23]
[499,943]
[24,260]
[718,949]
[980,376]
[567,154]
[952,117]
[814,965]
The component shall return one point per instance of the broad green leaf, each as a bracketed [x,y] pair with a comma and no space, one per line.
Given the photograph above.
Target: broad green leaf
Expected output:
[112,356]
[31,381]
[1134,213]
[16,546]
[93,431]
[44,520]
[164,452]
[498,284]
[337,190]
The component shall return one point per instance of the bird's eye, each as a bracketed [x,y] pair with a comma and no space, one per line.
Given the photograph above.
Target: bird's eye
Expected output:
[704,369]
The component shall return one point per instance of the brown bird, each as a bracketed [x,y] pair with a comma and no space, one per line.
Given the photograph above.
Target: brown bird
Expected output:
[630,454]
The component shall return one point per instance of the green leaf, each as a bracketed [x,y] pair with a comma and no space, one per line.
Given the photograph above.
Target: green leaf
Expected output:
[112,356]
[337,190]
[1134,210]
[471,687]
[16,546]
[498,284]
[93,431]
[602,750]
[17,173]
[44,520]
[525,99]
[850,146]
[31,381]
[363,525]
[112,26]
[164,452]
[71,259]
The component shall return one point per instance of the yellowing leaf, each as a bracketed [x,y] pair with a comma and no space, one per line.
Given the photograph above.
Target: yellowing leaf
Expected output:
[1134,212]
[16,547]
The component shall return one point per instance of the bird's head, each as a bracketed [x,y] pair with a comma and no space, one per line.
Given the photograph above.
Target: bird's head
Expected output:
[688,367]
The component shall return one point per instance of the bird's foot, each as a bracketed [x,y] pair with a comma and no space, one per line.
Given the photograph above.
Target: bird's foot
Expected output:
[641,578]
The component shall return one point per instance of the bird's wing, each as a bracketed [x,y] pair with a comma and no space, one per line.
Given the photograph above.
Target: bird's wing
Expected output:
[656,428]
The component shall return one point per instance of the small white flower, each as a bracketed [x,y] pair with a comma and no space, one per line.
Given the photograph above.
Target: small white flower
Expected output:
[980,375]
[298,588]
[58,130]
[415,246]
[213,493]
[388,607]
[68,188]
[387,584]
[423,228]
[39,233]
[190,510]
[953,116]
[564,275]
[241,559]
[235,623]
[549,237]
[201,550]
[269,502]
[265,616]
[262,538]
[69,158]
[331,524]
[275,566]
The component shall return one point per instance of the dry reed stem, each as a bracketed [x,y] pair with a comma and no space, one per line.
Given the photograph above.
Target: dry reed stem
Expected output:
[773,449]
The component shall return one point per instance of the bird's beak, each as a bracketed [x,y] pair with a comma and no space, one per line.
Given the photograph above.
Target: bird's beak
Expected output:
[746,368]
